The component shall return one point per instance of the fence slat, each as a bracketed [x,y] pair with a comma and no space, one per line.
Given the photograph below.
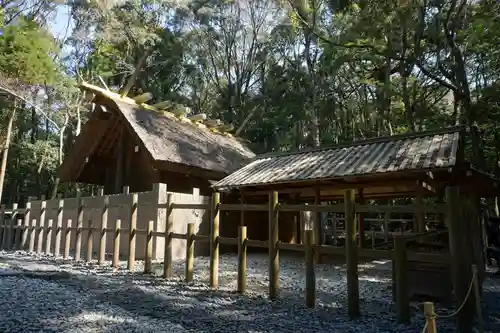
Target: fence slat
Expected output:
[26,224]
[32,236]
[148,264]
[17,234]
[104,226]
[116,245]
[41,227]
[67,238]
[132,233]
[167,256]
[190,252]
[3,227]
[48,236]
[79,227]
[90,241]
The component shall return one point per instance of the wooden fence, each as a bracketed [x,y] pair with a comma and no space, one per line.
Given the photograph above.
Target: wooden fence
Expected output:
[26,234]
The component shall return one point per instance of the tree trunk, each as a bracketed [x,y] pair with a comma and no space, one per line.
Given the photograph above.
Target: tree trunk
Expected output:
[3,165]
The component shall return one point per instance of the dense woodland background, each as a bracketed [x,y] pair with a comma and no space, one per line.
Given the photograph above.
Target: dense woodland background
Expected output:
[286,73]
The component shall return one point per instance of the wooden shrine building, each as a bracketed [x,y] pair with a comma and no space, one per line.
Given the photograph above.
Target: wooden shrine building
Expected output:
[128,143]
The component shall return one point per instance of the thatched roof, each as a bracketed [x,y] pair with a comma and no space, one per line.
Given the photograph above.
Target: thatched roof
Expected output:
[170,140]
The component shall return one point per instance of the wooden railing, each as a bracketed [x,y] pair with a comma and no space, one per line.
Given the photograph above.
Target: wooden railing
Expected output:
[26,234]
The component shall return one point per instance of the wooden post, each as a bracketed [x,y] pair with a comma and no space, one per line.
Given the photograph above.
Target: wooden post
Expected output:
[189,252]
[430,317]
[48,240]
[361,222]
[148,264]
[334,229]
[116,245]
[104,226]
[67,239]
[32,235]
[460,267]
[373,237]
[273,245]
[310,274]
[90,241]
[401,276]
[242,259]
[318,225]
[126,190]
[41,227]
[60,212]
[351,254]
[3,227]
[79,227]
[214,241]
[17,234]
[132,233]
[26,226]
[169,226]
[477,294]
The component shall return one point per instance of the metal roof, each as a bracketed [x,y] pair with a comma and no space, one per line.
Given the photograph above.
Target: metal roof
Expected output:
[425,150]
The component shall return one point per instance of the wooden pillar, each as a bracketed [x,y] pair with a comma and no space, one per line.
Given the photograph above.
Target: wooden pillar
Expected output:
[242,259]
[361,222]
[273,245]
[460,267]
[102,236]
[310,274]
[26,224]
[132,233]
[190,252]
[351,255]
[214,241]
[318,225]
[169,227]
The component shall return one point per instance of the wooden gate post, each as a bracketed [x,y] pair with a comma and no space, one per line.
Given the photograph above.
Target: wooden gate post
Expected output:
[242,259]
[310,274]
[189,252]
[214,241]
[351,254]
[273,245]
[430,317]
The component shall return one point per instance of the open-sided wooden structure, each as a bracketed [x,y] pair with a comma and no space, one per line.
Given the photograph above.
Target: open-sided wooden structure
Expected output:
[126,142]
[426,168]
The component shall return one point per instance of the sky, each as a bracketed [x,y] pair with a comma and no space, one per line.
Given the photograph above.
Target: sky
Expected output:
[58,27]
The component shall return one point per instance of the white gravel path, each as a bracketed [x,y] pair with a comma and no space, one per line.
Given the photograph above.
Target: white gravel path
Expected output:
[44,294]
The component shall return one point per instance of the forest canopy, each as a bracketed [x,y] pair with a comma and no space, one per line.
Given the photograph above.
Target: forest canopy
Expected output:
[287,74]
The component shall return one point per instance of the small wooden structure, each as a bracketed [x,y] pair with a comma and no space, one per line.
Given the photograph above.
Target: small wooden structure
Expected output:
[425,168]
[126,142]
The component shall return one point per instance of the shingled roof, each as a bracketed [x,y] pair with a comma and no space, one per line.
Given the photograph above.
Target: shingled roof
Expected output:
[408,152]
[164,137]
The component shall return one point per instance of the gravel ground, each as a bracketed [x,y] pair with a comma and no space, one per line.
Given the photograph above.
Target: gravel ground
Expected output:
[44,294]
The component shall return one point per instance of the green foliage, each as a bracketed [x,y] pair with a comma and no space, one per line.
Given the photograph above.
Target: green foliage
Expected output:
[27,53]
